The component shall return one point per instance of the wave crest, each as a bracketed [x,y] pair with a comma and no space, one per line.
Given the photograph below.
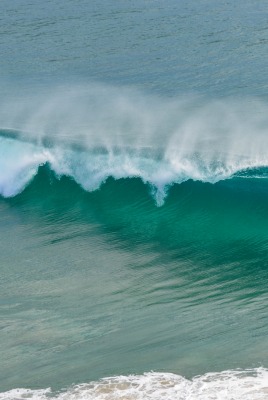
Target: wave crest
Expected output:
[19,163]
[96,132]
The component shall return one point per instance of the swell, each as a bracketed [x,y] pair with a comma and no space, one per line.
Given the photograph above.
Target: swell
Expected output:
[196,217]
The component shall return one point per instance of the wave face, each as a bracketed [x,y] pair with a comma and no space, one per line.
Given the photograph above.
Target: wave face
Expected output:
[236,385]
[133,219]
[96,132]
[140,229]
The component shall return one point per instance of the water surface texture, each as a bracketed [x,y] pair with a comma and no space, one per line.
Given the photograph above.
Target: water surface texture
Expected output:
[133,200]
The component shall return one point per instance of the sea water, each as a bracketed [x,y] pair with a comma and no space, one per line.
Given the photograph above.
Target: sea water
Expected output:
[133,199]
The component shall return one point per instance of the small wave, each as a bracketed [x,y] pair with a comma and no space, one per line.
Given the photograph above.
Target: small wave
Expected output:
[226,385]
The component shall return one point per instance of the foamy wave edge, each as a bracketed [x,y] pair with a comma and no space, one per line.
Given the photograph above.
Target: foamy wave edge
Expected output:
[90,168]
[249,384]
[91,132]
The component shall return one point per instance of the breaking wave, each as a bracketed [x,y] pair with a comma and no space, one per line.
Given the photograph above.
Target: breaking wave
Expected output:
[96,132]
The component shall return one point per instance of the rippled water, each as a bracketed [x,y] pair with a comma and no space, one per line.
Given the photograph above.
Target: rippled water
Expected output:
[134,200]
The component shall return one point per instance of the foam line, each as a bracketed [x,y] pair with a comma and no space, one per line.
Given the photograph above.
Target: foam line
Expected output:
[235,385]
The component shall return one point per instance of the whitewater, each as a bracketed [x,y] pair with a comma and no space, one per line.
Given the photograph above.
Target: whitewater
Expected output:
[94,132]
[235,385]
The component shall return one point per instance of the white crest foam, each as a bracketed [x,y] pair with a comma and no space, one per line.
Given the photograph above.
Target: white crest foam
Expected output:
[92,132]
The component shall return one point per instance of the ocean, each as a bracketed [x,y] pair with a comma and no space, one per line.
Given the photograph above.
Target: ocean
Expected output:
[133,200]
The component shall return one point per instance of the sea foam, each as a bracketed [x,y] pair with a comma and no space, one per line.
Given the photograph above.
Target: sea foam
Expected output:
[226,385]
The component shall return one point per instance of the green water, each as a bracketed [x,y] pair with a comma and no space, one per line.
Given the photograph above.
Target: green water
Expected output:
[133,199]
[110,284]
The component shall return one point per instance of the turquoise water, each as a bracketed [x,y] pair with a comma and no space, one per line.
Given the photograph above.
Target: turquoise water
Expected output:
[133,200]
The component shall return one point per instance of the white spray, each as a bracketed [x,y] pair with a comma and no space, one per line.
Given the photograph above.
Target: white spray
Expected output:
[92,132]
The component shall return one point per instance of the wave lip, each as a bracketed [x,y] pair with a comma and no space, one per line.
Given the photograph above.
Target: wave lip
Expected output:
[94,132]
[248,384]
[91,167]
